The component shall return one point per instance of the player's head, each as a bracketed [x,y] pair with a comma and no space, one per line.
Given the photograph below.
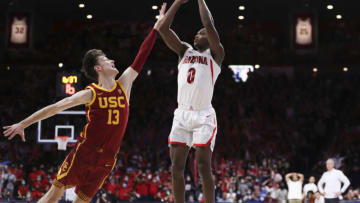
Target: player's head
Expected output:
[330,164]
[201,40]
[96,63]
[312,179]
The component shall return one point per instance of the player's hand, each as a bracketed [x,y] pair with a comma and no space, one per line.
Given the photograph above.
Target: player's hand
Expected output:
[161,17]
[338,194]
[16,129]
[323,193]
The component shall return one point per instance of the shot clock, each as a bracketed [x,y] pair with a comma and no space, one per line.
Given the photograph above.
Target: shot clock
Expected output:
[67,84]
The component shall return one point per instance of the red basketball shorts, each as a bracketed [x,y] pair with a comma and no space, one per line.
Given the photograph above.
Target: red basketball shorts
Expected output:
[86,169]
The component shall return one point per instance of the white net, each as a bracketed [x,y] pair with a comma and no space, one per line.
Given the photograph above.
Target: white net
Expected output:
[62,142]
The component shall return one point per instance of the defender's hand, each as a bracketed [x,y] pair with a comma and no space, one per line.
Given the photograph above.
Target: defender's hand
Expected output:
[161,17]
[16,129]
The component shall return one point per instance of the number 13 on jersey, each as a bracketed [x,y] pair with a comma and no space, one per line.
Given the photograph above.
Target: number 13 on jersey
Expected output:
[113,117]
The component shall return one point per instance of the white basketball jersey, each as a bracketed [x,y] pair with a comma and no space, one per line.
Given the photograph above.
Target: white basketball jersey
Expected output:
[196,79]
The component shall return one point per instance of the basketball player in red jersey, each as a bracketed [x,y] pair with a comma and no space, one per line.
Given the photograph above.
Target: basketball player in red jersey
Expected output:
[107,107]
[194,122]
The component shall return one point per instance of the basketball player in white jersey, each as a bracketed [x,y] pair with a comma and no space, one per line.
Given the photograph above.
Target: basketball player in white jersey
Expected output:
[194,122]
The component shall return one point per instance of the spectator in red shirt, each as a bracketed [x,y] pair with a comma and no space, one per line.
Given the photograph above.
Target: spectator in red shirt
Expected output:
[41,172]
[23,190]
[124,192]
[32,174]
[111,186]
[36,183]
[19,172]
[37,194]
[142,188]
[153,186]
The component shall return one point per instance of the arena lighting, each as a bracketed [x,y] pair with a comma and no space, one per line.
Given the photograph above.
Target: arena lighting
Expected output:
[149,72]
[154,7]
[241,8]
[257,66]
[89,16]
[8,68]
[339,17]
[241,17]
[157,17]
[61,65]
[345,69]
[81,5]
[315,70]
[330,7]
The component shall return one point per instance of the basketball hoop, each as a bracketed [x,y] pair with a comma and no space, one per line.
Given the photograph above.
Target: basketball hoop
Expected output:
[62,142]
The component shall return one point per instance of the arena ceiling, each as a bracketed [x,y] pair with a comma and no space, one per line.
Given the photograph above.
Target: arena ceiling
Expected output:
[224,11]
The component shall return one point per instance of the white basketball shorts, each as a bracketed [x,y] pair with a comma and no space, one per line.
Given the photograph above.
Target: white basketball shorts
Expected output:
[194,128]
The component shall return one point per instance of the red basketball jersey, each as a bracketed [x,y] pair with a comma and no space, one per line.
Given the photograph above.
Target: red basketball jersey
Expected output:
[107,117]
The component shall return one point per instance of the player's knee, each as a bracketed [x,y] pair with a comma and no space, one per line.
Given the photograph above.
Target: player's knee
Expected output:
[52,196]
[203,166]
[177,168]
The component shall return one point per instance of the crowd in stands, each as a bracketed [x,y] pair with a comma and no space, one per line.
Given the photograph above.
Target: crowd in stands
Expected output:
[268,126]
[134,179]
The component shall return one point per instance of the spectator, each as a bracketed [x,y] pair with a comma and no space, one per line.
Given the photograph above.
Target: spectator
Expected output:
[10,182]
[332,179]
[319,198]
[23,190]
[294,182]
[282,194]
[311,186]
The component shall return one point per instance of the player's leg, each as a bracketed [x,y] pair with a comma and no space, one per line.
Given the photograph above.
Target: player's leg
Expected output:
[178,156]
[203,160]
[53,195]
[204,141]
[180,140]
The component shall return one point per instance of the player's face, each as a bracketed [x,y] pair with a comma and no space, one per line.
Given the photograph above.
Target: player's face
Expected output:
[107,66]
[312,180]
[201,40]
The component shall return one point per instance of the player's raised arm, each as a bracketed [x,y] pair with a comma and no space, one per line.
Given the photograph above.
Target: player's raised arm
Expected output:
[82,97]
[207,20]
[169,36]
[130,74]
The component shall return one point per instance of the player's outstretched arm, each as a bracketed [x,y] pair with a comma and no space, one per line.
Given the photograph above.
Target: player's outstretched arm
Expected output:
[82,97]
[130,74]
[208,22]
[169,36]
